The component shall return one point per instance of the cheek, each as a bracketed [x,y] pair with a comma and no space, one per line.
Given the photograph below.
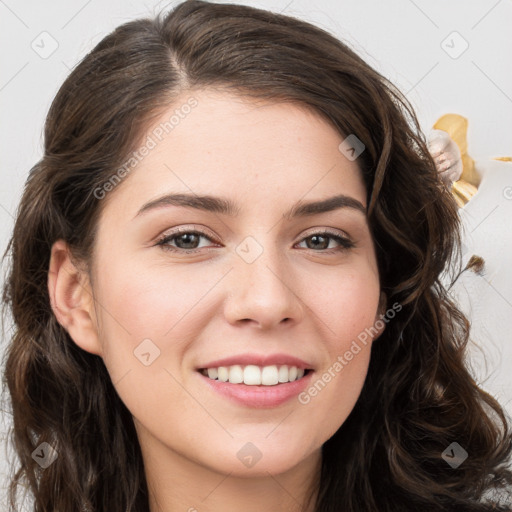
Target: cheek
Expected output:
[137,303]
[139,311]
[347,304]
[348,308]
[129,312]
[143,302]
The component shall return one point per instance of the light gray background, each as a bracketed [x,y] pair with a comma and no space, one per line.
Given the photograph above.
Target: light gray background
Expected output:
[403,39]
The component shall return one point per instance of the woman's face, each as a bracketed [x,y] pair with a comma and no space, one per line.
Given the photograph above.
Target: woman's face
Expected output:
[187,284]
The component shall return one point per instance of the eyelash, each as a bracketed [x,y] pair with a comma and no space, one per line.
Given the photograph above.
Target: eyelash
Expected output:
[164,241]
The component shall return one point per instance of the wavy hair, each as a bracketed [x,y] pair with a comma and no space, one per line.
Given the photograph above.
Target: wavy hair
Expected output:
[419,396]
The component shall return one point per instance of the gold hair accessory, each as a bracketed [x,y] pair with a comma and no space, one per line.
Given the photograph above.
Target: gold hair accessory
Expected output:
[467,185]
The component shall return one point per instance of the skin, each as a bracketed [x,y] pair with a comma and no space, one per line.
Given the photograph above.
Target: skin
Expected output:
[294,298]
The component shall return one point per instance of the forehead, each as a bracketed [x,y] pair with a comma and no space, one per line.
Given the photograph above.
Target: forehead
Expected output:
[214,142]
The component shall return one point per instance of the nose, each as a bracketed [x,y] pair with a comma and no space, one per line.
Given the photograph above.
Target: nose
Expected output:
[263,293]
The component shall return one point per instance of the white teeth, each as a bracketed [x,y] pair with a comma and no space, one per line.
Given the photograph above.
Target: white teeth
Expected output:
[269,376]
[253,375]
[283,374]
[223,373]
[236,374]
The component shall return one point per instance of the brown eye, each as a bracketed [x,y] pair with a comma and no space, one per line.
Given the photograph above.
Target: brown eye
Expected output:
[183,240]
[321,242]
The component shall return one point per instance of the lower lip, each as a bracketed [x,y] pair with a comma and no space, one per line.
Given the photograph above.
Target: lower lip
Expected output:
[259,396]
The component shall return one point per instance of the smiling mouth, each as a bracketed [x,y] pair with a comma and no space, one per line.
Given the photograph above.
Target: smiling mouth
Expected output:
[252,375]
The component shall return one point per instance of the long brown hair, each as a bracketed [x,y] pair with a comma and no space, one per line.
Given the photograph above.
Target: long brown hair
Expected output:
[419,396]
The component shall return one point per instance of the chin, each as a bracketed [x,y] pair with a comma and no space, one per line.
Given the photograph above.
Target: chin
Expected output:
[258,458]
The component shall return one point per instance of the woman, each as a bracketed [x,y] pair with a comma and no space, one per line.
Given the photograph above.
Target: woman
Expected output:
[226,286]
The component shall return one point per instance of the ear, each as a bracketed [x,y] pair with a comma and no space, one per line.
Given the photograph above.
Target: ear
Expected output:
[380,324]
[71,299]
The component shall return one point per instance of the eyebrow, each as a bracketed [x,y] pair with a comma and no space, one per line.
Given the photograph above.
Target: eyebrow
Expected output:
[227,207]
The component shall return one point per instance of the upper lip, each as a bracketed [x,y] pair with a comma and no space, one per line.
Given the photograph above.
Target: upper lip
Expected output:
[259,360]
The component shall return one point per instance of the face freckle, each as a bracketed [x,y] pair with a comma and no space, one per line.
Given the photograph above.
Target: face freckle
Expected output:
[259,284]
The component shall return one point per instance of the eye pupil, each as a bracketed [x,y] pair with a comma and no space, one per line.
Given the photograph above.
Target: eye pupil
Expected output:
[316,237]
[186,238]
